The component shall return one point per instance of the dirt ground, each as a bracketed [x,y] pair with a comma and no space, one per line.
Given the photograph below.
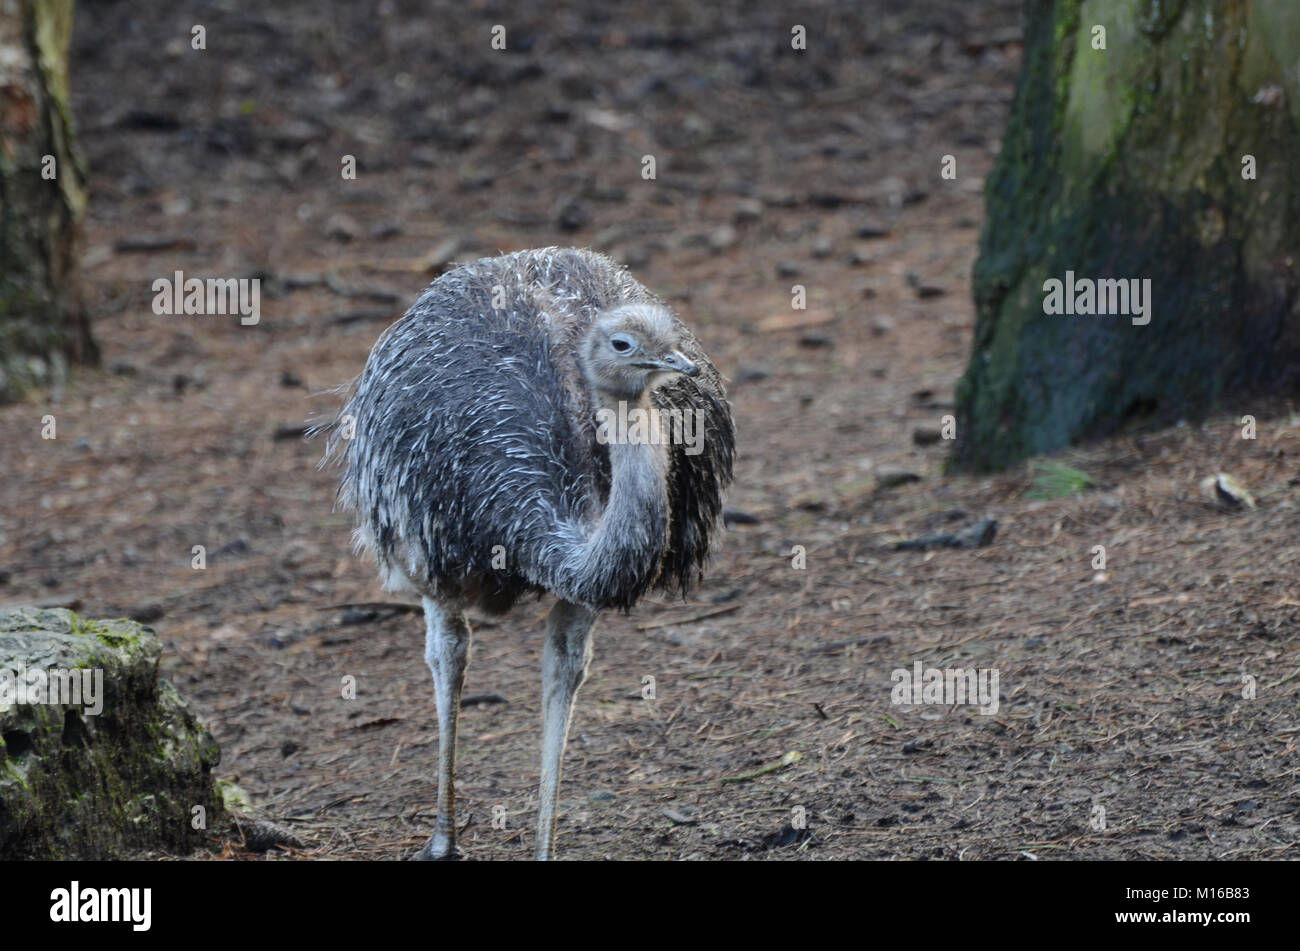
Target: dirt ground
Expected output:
[1122,731]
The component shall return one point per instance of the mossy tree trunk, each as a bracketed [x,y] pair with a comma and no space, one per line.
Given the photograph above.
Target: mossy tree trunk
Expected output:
[1135,161]
[42,197]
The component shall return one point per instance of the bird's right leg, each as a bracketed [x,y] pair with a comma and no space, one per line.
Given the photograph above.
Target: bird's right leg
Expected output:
[446,650]
[565,656]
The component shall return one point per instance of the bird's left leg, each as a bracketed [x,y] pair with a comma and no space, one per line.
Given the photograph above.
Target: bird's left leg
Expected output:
[446,649]
[565,657]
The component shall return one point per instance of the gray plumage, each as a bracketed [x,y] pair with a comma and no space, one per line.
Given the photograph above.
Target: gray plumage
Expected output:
[475,428]
[479,460]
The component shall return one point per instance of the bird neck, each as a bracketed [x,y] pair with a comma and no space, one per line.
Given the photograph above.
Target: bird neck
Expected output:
[621,554]
[638,490]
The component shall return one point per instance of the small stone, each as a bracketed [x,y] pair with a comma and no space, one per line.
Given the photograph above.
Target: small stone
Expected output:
[679,818]
[481,700]
[295,133]
[861,255]
[787,269]
[722,238]
[353,615]
[887,477]
[747,209]
[871,229]
[823,247]
[977,535]
[826,199]
[814,340]
[475,177]
[603,795]
[637,256]
[571,214]
[289,431]
[442,255]
[926,435]
[146,613]
[881,326]
[787,836]
[342,227]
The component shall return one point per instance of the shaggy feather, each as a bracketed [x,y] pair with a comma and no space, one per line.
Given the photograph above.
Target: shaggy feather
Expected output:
[475,441]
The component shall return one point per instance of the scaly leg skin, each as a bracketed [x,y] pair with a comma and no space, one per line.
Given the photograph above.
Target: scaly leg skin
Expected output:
[446,650]
[565,657]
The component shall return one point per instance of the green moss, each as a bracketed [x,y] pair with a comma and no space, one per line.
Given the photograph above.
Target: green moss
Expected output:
[1056,481]
[15,773]
[117,634]
[116,640]
[234,797]
[1102,87]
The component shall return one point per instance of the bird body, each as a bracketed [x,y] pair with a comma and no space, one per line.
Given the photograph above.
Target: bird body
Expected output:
[481,467]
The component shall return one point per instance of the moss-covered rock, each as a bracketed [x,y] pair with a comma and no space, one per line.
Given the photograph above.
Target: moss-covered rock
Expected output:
[1127,162]
[82,783]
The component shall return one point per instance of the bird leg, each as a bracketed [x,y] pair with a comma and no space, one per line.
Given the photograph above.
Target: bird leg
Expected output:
[565,657]
[446,650]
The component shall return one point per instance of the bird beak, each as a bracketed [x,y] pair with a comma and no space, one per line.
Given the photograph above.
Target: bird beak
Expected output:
[677,362]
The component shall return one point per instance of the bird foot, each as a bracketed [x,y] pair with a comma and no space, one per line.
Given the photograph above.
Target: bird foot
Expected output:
[438,849]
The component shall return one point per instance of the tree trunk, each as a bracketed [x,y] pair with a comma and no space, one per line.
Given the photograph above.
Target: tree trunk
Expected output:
[43,325]
[1134,161]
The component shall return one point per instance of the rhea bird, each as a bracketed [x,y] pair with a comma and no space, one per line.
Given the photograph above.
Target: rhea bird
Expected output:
[479,471]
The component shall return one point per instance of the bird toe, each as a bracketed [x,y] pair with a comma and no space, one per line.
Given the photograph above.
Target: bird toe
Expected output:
[438,849]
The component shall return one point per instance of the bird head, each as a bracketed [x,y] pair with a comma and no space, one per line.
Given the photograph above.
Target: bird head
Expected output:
[634,347]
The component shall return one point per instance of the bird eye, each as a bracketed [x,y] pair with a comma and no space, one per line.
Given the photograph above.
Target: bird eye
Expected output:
[622,344]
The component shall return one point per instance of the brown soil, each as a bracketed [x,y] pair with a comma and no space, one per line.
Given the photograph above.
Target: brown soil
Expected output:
[1121,691]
